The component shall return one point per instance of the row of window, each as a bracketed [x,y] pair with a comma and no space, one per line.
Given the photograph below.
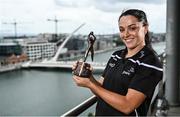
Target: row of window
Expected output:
[40,46]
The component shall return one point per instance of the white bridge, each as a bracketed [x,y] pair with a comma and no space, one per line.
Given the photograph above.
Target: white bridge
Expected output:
[53,63]
[97,67]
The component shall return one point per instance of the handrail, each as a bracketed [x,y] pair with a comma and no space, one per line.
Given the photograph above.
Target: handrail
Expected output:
[81,107]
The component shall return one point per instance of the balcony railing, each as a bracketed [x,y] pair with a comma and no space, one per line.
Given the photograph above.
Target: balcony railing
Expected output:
[81,107]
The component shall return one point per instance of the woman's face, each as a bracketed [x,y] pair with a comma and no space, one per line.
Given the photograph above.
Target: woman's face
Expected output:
[132,32]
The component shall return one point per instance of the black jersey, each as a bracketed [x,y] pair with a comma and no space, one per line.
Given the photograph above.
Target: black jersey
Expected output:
[141,72]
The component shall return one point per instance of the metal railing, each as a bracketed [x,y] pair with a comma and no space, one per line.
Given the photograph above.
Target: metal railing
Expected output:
[81,107]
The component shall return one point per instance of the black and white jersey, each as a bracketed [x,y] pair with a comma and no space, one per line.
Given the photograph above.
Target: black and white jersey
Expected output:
[141,72]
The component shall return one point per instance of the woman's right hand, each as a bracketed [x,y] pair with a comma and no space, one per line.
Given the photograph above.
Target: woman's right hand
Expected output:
[80,67]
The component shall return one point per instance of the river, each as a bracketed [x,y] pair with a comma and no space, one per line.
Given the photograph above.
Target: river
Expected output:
[43,92]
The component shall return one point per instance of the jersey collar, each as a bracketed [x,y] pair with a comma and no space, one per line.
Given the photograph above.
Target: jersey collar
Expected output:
[143,52]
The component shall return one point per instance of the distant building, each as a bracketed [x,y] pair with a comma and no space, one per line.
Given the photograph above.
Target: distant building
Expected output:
[75,44]
[35,48]
[16,59]
[13,59]
[40,50]
[104,42]
[7,49]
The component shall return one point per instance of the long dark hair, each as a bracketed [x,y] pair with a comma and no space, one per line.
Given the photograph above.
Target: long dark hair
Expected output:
[141,16]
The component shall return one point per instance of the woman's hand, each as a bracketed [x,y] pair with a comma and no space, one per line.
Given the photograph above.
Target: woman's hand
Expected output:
[82,82]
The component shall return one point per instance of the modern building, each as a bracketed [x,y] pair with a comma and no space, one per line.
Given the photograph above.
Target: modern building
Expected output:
[39,50]
[35,48]
[9,49]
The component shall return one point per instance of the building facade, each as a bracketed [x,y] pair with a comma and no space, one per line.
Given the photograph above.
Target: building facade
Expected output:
[40,50]
[7,49]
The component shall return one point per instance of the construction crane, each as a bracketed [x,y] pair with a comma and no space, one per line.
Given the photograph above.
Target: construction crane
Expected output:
[55,20]
[15,27]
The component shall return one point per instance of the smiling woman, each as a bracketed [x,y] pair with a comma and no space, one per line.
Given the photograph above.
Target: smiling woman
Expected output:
[131,74]
[132,32]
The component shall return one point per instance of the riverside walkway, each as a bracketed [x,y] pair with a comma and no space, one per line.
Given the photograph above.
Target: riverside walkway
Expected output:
[10,67]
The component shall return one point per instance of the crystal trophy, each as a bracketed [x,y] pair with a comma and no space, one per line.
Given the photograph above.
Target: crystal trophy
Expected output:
[83,68]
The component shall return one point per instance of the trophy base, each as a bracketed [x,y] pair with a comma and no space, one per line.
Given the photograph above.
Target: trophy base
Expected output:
[82,70]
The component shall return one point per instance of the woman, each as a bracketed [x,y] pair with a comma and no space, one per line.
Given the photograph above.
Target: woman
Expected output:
[131,74]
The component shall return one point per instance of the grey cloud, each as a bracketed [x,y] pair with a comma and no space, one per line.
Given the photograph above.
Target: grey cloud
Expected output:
[134,1]
[73,3]
[104,5]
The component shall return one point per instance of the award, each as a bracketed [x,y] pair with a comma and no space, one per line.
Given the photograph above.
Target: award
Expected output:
[83,69]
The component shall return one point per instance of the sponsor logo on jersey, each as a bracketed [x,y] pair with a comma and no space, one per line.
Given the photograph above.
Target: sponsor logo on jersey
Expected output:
[129,71]
[111,64]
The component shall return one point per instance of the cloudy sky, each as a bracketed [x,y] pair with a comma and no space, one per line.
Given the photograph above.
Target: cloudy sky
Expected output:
[100,16]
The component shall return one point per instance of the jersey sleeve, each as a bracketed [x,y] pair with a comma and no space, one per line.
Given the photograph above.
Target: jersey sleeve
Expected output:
[146,78]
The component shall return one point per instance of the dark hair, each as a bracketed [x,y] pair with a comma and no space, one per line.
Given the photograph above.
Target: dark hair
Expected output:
[141,16]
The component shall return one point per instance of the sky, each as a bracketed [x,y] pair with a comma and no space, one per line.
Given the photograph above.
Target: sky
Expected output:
[100,16]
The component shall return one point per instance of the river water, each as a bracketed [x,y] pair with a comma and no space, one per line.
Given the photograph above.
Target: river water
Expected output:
[44,92]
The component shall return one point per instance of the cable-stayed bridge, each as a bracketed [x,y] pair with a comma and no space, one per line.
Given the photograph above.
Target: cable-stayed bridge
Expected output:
[97,67]
[54,63]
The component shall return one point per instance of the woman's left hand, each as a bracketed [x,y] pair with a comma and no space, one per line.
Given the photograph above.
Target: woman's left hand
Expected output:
[82,82]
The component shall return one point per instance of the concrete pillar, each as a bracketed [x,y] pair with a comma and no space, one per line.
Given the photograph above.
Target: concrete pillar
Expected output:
[172,72]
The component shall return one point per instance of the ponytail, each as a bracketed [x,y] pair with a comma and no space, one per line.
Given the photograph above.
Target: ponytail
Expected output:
[148,42]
